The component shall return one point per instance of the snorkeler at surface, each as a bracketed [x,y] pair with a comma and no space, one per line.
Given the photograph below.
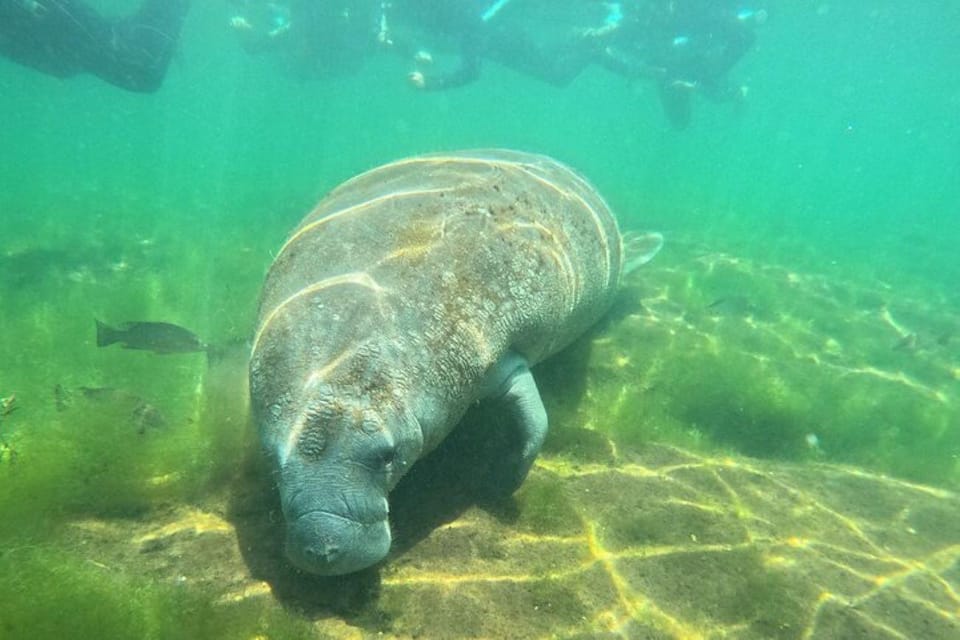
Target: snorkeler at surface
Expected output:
[261,26]
[314,38]
[319,38]
[686,46]
[464,21]
[539,38]
[66,37]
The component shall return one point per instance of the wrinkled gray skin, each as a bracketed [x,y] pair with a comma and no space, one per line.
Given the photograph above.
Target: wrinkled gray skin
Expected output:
[409,293]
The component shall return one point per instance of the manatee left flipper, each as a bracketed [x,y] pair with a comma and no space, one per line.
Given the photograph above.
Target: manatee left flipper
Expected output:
[514,389]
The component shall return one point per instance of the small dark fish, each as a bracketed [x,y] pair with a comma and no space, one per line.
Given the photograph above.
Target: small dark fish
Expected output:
[907,343]
[60,399]
[734,305]
[944,338]
[63,398]
[8,453]
[104,394]
[8,405]
[146,416]
[159,337]
[143,415]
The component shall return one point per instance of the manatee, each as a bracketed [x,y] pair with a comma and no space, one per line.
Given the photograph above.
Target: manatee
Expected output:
[408,293]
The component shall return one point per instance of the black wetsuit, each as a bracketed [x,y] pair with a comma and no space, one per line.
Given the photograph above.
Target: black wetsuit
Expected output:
[685,45]
[700,41]
[66,37]
[460,20]
[315,38]
[488,29]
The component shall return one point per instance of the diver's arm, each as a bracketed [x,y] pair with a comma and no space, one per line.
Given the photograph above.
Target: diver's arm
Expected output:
[468,70]
[738,38]
[266,31]
[631,66]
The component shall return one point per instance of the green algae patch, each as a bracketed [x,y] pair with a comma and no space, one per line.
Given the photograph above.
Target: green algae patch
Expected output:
[48,593]
[98,461]
[741,403]
[575,443]
[667,543]
[723,354]
[545,509]
[51,593]
[614,534]
[112,451]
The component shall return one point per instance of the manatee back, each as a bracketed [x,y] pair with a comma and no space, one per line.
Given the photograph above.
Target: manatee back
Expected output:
[441,263]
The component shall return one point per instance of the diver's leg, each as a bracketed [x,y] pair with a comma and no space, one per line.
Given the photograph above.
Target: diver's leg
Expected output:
[676,96]
[52,36]
[558,64]
[140,47]
[737,40]
[66,37]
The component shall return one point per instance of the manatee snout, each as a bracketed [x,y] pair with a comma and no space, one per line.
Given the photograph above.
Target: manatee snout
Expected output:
[330,545]
[333,528]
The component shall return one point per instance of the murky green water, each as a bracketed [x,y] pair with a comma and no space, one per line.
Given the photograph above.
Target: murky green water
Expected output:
[804,308]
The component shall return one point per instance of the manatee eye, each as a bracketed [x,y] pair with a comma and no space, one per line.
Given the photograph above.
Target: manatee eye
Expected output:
[387,456]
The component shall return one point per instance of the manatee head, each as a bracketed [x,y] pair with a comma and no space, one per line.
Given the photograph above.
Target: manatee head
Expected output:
[338,450]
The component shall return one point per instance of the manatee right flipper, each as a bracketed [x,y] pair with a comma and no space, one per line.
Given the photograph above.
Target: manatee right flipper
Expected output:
[512,387]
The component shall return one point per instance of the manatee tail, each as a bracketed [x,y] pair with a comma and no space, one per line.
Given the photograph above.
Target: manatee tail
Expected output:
[106,335]
[639,249]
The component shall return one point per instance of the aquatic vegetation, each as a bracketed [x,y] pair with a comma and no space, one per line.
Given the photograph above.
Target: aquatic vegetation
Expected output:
[658,541]
[63,594]
[545,508]
[784,357]
[709,351]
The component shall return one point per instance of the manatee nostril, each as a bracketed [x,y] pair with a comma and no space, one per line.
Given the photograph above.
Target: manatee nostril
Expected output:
[324,552]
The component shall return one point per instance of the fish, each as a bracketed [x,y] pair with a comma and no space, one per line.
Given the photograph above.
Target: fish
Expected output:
[732,305]
[143,414]
[159,337]
[8,405]
[907,342]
